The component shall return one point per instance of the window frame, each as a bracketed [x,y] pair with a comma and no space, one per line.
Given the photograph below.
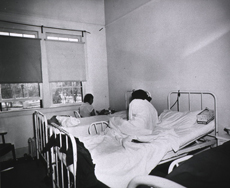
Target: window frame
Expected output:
[68,34]
[46,100]
[24,99]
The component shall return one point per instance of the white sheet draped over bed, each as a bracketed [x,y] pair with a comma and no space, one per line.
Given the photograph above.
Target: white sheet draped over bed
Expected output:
[117,159]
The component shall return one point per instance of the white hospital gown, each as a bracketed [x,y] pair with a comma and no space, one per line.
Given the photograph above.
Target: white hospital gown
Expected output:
[143,118]
[142,113]
[85,109]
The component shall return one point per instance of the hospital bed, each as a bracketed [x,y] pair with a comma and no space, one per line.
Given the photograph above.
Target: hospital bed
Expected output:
[117,160]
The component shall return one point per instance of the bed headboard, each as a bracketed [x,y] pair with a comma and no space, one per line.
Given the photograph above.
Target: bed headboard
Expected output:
[191,101]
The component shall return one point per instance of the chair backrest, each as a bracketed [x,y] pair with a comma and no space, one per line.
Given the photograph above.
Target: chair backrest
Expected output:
[3,138]
[77,114]
[6,147]
[97,127]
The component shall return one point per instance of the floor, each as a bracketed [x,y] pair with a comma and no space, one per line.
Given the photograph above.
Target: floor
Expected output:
[31,173]
[27,173]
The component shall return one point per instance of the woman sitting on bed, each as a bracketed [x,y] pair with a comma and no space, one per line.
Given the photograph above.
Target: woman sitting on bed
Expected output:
[86,109]
[141,111]
[142,119]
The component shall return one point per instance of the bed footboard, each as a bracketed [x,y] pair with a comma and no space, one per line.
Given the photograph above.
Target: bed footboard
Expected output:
[63,157]
[41,137]
[58,149]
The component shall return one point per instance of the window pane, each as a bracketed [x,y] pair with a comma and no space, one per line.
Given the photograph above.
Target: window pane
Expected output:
[32,90]
[74,40]
[16,34]
[29,36]
[19,96]
[52,38]
[6,91]
[66,92]
[4,33]
[19,91]
[19,105]
[63,39]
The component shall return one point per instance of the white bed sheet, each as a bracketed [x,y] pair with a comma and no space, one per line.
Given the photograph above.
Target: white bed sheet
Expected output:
[185,125]
[81,129]
[118,159]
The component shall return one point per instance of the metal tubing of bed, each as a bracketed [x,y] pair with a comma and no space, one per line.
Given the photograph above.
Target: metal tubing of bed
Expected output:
[58,160]
[58,175]
[103,125]
[201,93]
[41,136]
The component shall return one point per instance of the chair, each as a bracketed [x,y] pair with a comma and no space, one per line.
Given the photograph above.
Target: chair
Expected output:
[76,114]
[6,147]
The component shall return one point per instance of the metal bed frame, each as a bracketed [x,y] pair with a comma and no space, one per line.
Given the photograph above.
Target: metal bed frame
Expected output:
[209,140]
[43,132]
[41,137]
[63,175]
[56,161]
[201,94]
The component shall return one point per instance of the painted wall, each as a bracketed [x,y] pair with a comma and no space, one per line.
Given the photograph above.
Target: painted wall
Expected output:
[72,14]
[169,45]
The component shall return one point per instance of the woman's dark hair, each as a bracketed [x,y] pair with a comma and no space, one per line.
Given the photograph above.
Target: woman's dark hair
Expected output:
[88,97]
[139,94]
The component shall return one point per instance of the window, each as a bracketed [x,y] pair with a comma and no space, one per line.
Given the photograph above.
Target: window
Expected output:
[21,73]
[21,82]
[19,96]
[65,55]
[66,92]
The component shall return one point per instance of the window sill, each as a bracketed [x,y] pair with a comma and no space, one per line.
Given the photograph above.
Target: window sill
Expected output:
[29,112]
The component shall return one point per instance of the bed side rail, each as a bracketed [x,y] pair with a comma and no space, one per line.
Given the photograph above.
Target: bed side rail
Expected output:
[202,94]
[63,157]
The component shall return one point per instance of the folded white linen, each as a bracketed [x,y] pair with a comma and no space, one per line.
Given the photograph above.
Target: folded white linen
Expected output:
[68,121]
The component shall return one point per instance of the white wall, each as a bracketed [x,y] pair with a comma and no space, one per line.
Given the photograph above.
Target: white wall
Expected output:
[169,45]
[72,14]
